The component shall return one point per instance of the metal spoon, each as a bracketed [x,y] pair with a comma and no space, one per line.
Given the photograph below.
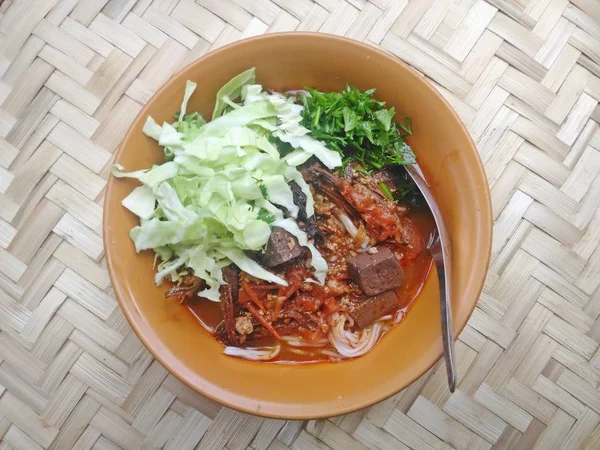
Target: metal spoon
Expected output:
[440,251]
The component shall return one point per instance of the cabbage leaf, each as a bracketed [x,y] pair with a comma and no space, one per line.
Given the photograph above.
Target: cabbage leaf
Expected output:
[224,185]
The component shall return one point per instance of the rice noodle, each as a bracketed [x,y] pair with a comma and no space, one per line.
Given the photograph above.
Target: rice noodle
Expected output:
[254,353]
[352,230]
[300,351]
[399,316]
[299,342]
[353,343]
[330,353]
[348,224]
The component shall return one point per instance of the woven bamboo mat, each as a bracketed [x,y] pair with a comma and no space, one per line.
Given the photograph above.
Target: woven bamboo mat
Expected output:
[524,75]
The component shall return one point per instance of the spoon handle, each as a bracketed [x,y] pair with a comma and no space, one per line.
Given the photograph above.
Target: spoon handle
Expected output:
[446,312]
[440,251]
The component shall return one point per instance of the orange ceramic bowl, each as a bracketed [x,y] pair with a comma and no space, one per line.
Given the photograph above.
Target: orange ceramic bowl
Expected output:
[450,162]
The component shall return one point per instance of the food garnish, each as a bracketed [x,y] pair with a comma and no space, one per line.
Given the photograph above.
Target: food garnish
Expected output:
[359,127]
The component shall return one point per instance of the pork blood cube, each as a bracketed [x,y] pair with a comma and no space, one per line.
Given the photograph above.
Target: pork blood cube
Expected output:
[376,272]
[281,248]
[373,308]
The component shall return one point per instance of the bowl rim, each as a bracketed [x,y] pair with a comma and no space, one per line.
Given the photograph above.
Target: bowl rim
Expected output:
[121,294]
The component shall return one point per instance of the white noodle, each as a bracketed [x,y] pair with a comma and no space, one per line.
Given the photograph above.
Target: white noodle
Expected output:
[399,316]
[351,229]
[299,342]
[300,352]
[353,343]
[253,354]
[348,224]
[330,353]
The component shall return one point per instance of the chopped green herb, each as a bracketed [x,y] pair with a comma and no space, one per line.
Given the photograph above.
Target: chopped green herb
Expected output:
[263,191]
[194,117]
[406,126]
[407,191]
[403,192]
[190,125]
[357,126]
[386,191]
[266,216]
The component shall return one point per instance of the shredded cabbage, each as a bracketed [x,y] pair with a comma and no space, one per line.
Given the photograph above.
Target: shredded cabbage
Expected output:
[141,202]
[232,90]
[190,87]
[224,185]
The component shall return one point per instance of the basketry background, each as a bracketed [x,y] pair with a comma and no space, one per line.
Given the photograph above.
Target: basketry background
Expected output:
[524,76]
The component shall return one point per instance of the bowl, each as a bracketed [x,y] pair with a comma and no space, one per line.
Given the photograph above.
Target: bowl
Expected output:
[450,162]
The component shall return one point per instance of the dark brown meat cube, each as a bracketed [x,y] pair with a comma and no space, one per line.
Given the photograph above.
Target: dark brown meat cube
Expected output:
[282,247]
[376,273]
[373,308]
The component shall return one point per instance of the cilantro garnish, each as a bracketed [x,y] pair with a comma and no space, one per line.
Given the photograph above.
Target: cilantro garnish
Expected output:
[359,127]
[265,216]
